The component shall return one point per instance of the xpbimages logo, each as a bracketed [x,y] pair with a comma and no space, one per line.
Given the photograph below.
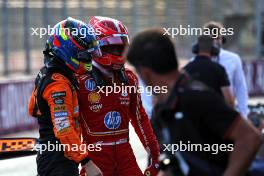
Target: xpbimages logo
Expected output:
[124,89]
[83,148]
[83,32]
[212,148]
[192,31]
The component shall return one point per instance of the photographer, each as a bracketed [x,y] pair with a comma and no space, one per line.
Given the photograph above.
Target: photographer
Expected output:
[192,112]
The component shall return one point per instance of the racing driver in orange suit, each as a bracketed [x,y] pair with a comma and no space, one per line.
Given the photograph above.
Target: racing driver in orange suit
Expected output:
[105,116]
[54,99]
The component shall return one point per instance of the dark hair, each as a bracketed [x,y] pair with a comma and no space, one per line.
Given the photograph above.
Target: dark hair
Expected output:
[205,43]
[153,49]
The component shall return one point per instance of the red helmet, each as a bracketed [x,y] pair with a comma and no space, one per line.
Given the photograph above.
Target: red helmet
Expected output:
[113,39]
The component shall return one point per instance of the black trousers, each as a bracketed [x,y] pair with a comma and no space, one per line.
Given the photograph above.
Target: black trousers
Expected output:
[54,163]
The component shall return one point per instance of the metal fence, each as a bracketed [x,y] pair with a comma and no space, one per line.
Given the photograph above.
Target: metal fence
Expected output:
[20,51]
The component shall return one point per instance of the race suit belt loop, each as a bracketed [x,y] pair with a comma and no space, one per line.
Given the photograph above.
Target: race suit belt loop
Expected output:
[120,141]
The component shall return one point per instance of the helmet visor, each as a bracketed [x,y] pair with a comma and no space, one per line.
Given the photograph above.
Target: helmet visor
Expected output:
[114,44]
[84,56]
[115,39]
[116,50]
[87,55]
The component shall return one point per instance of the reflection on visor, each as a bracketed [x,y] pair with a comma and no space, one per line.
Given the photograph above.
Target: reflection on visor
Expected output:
[86,56]
[117,39]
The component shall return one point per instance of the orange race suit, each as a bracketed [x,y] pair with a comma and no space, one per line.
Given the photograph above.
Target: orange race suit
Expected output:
[55,105]
[105,121]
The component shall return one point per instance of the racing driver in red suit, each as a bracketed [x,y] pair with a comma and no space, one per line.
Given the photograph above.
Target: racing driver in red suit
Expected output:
[105,117]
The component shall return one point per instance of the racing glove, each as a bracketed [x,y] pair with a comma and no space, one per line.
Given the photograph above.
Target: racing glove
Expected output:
[152,170]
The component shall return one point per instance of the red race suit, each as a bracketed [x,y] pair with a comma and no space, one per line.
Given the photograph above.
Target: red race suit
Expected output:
[105,120]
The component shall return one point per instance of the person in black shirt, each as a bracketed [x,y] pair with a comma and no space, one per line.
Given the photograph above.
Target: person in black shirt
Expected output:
[192,113]
[212,74]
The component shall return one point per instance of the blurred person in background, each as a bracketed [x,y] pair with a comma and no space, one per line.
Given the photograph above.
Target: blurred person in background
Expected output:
[105,116]
[54,100]
[203,69]
[232,63]
[193,113]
